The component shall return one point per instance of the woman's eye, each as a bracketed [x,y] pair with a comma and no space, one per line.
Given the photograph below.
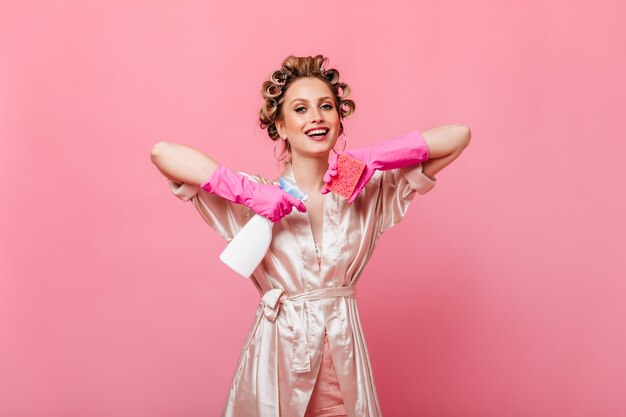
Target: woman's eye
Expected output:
[327,106]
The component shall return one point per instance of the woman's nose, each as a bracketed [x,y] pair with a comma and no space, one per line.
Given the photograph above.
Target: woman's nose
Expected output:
[316,114]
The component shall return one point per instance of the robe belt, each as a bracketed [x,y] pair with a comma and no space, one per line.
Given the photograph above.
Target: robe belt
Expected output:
[270,303]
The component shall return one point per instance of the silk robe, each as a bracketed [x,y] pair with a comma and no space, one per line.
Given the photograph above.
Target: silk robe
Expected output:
[279,363]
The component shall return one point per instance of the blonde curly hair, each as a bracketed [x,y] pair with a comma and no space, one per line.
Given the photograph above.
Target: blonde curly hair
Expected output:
[292,69]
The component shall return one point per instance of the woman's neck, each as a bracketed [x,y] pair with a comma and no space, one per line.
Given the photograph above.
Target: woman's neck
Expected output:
[309,172]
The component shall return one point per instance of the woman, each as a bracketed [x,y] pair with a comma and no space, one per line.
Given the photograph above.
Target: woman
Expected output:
[305,354]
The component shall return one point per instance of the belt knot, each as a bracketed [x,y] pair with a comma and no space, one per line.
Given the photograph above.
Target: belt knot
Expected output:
[271,303]
[274,298]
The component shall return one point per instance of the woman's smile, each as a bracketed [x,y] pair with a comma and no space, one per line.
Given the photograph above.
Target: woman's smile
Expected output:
[318,134]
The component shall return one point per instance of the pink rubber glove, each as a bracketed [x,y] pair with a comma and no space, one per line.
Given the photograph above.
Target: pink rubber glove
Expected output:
[399,152]
[267,200]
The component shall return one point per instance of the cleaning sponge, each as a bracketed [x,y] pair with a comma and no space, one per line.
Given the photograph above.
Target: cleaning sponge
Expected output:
[349,171]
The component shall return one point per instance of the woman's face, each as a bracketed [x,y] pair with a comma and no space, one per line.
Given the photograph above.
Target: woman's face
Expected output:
[309,104]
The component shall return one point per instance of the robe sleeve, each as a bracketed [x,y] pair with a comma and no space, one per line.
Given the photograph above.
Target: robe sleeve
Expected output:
[225,217]
[397,189]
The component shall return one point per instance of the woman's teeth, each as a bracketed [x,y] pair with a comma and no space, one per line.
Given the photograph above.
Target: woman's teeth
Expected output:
[317,134]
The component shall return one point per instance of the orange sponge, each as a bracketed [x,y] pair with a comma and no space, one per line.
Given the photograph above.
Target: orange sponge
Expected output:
[349,171]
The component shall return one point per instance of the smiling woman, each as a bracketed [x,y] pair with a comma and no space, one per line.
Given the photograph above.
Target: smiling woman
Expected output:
[305,353]
[310,123]
[280,102]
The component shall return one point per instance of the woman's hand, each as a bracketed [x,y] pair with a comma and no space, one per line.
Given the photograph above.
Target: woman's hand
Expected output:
[273,203]
[265,199]
[331,173]
[408,149]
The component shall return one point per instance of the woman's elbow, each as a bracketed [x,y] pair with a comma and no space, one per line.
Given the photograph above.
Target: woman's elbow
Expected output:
[158,149]
[464,137]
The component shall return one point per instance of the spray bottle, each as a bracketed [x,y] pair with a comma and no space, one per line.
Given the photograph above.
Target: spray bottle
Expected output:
[248,248]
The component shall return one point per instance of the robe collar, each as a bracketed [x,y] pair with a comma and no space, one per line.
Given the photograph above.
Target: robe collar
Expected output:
[332,236]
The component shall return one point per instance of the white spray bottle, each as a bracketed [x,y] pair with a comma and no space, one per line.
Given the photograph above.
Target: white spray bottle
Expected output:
[248,248]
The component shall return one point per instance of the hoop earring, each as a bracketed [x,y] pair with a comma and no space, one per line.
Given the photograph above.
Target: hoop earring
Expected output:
[283,151]
[345,142]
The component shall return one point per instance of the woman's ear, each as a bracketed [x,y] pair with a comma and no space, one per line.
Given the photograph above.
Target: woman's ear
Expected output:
[280,129]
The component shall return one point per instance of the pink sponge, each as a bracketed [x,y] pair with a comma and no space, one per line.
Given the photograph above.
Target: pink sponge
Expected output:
[349,171]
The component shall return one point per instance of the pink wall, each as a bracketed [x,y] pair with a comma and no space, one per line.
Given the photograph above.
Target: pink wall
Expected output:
[506,291]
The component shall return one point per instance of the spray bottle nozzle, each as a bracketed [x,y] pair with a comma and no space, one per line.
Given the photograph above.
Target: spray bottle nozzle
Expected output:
[290,187]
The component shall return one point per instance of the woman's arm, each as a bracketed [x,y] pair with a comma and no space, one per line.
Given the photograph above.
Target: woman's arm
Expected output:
[445,144]
[182,163]
[188,165]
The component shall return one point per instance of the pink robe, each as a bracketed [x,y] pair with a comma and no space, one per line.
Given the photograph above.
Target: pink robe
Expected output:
[300,302]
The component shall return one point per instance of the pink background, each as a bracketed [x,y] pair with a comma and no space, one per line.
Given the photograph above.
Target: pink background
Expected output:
[500,294]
